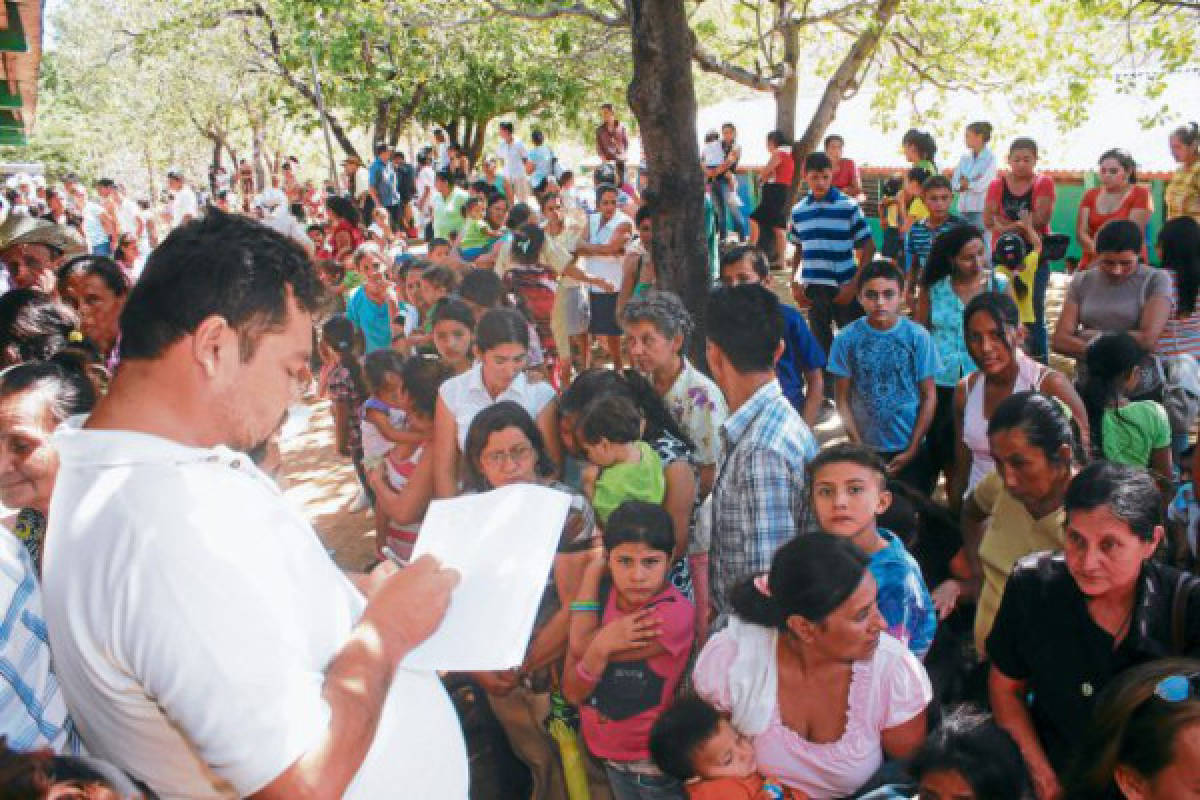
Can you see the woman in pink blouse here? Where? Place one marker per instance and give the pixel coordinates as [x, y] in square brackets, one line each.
[806, 671]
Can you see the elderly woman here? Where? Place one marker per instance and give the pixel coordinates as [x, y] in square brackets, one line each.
[505, 447]
[35, 397]
[1120, 294]
[808, 674]
[1144, 739]
[1069, 622]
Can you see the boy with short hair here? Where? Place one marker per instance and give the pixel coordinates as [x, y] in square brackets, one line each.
[936, 194]
[800, 369]
[829, 230]
[885, 365]
[439, 252]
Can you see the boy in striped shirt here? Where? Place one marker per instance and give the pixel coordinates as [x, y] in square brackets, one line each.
[829, 231]
[937, 194]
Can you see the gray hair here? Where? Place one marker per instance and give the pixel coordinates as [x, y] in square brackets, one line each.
[664, 310]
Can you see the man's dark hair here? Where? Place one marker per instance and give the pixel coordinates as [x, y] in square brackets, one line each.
[445, 175]
[382, 147]
[106, 183]
[937, 182]
[881, 268]
[746, 325]
[506, 126]
[816, 161]
[220, 264]
[735, 256]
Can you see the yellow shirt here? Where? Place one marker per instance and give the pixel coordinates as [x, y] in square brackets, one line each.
[1026, 274]
[917, 210]
[1011, 535]
[1182, 192]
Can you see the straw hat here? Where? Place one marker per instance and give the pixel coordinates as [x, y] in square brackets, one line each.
[25, 229]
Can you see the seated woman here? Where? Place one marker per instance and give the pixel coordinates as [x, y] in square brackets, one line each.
[35, 397]
[807, 672]
[1016, 510]
[994, 335]
[1069, 622]
[501, 349]
[1143, 741]
[1120, 294]
[505, 447]
[97, 287]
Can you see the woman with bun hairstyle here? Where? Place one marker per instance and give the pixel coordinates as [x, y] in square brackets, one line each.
[806, 671]
[1182, 193]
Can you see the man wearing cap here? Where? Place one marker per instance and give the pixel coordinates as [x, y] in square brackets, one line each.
[382, 180]
[185, 206]
[32, 250]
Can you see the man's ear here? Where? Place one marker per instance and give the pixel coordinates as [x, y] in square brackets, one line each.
[211, 344]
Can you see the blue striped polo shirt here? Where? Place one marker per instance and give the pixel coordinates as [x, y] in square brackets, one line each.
[827, 231]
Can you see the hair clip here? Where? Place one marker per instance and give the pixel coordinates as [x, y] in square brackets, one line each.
[75, 337]
[760, 583]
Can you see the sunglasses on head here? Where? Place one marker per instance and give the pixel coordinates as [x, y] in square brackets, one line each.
[1177, 688]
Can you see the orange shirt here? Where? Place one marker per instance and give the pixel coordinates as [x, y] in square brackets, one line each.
[734, 789]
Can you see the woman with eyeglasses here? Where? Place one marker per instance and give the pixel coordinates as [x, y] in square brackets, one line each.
[1144, 740]
[502, 350]
[1117, 197]
[504, 447]
[1070, 622]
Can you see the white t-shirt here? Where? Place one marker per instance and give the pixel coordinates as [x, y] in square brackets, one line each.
[192, 615]
[426, 178]
[712, 155]
[127, 216]
[465, 396]
[607, 267]
[185, 204]
[514, 155]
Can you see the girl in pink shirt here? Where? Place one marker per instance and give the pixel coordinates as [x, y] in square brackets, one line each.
[631, 634]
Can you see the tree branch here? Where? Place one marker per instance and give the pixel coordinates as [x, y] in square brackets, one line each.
[575, 10]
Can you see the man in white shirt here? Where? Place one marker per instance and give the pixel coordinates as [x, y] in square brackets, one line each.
[516, 179]
[185, 206]
[278, 217]
[423, 202]
[205, 641]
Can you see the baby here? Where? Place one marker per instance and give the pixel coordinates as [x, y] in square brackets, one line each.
[694, 743]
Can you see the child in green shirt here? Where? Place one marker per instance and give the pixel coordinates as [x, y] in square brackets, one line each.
[622, 466]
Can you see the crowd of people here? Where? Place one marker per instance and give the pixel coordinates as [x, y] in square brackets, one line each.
[979, 588]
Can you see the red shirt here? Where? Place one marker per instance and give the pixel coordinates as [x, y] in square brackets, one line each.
[785, 170]
[998, 194]
[1137, 198]
[845, 173]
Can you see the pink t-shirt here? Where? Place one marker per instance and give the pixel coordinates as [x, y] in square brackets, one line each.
[887, 690]
[620, 711]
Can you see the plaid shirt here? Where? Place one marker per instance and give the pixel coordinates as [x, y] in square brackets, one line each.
[759, 500]
[33, 713]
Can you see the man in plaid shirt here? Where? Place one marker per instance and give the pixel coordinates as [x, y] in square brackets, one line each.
[759, 499]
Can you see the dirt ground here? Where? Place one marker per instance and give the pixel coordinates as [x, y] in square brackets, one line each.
[322, 483]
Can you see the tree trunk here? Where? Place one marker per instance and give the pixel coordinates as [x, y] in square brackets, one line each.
[663, 98]
[478, 138]
[218, 146]
[787, 91]
[383, 109]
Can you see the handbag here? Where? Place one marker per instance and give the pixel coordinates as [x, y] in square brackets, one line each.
[1180, 390]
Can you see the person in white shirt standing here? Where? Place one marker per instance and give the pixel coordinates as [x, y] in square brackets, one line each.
[516, 178]
[185, 206]
[205, 641]
[609, 230]
[974, 175]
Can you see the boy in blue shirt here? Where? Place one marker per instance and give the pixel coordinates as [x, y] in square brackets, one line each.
[884, 365]
[800, 369]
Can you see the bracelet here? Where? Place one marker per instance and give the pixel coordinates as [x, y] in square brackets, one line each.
[585, 605]
[582, 672]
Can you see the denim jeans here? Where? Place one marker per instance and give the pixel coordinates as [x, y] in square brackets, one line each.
[722, 205]
[633, 786]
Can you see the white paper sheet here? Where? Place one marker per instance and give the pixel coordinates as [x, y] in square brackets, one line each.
[502, 543]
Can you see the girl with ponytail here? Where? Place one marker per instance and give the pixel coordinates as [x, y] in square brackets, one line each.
[1133, 433]
[806, 671]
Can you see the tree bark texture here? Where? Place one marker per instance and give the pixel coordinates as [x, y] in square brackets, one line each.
[663, 99]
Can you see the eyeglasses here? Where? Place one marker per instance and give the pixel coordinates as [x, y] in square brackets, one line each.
[1177, 688]
[517, 454]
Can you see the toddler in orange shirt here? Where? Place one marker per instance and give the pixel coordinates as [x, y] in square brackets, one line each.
[696, 744]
